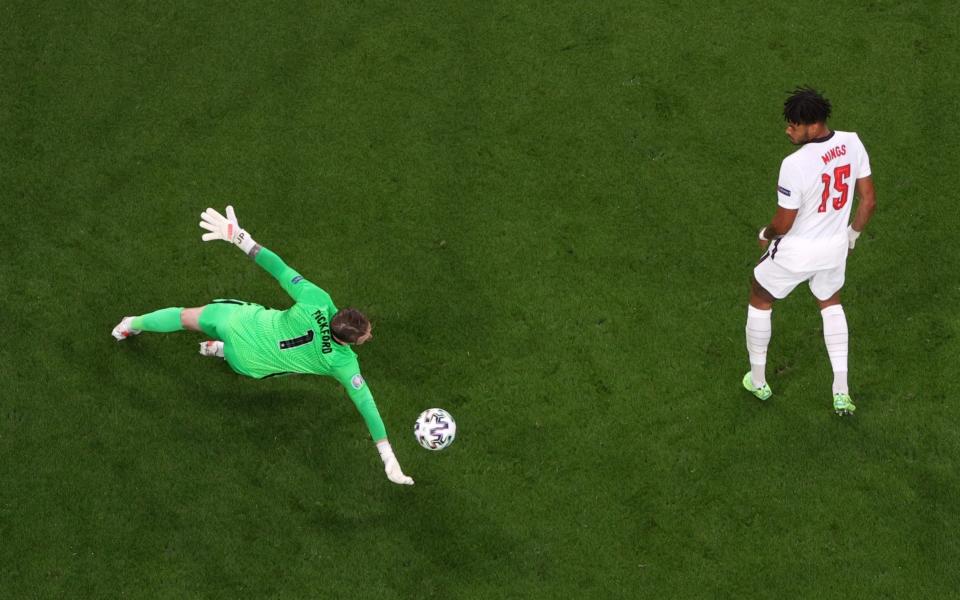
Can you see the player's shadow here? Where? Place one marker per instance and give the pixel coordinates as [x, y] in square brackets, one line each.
[301, 418]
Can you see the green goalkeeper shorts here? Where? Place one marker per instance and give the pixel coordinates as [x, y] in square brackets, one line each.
[215, 317]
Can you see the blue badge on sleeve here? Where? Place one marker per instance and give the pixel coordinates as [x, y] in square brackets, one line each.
[783, 190]
[299, 278]
[357, 381]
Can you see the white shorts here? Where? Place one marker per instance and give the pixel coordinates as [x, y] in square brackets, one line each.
[780, 282]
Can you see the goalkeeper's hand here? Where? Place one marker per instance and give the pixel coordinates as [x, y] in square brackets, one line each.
[225, 228]
[852, 235]
[390, 464]
[395, 474]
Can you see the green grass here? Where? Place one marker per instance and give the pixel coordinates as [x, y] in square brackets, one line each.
[549, 211]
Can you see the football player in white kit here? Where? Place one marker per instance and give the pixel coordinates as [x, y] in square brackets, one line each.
[811, 235]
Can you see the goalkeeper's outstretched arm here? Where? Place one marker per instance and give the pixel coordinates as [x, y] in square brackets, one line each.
[229, 230]
[291, 281]
[363, 400]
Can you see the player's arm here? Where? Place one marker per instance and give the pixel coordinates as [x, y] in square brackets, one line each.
[865, 208]
[788, 204]
[781, 224]
[228, 229]
[292, 282]
[363, 400]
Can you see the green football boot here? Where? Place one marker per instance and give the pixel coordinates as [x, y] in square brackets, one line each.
[763, 392]
[842, 404]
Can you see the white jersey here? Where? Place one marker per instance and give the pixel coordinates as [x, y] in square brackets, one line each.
[819, 179]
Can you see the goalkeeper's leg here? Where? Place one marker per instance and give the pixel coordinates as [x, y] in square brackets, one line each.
[190, 318]
[214, 319]
[165, 320]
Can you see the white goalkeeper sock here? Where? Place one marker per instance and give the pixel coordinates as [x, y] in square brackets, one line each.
[836, 337]
[759, 330]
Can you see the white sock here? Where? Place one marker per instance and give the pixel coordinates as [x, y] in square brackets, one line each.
[836, 337]
[758, 338]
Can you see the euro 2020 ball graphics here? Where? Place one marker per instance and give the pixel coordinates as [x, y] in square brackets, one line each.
[435, 429]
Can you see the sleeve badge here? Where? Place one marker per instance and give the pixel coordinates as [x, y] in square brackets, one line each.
[357, 381]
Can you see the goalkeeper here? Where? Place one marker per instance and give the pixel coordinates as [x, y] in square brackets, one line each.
[311, 336]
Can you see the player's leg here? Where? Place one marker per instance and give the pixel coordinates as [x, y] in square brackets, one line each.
[836, 337]
[190, 319]
[759, 330]
[769, 283]
[825, 286]
[760, 298]
[758, 333]
[213, 320]
[165, 320]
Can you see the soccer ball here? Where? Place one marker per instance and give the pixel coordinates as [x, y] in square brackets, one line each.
[435, 429]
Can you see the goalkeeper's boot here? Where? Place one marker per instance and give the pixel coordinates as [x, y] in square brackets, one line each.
[842, 405]
[763, 392]
[211, 348]
[123, 330]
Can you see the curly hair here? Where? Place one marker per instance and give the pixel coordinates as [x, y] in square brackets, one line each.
[805, 106]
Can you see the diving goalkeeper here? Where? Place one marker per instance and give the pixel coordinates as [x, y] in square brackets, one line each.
[311, 337]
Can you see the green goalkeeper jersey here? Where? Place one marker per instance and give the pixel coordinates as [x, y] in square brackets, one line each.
[262, 342]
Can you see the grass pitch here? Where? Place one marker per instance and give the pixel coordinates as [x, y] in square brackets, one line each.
[549, 211]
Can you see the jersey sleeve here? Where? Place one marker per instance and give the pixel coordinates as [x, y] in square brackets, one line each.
[863, 168]
[359, 393]
[293, 283]
[788, 186]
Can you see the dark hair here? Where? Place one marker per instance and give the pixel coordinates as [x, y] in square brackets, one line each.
[349, 324]
[806, 105]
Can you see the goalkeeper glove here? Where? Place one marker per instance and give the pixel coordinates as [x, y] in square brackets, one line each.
[852, 235]
[225, 228]
[390, 464]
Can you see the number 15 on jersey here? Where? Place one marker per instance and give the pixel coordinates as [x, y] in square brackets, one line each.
[839, 180]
